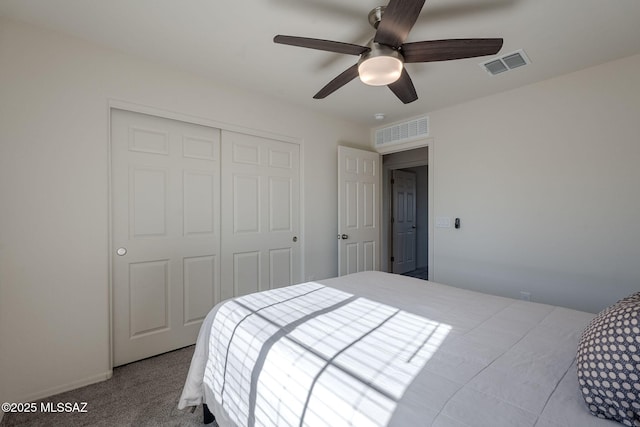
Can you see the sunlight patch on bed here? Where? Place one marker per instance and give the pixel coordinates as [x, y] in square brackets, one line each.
[312, 355]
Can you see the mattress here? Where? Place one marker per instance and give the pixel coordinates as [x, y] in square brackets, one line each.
[378, 349]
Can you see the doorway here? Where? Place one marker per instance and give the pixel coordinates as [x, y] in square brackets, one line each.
[406, 213]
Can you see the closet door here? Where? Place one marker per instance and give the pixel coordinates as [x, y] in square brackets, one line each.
[260, 214]
[165, 232]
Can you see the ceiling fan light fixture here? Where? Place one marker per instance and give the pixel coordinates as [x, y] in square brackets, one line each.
[382, 60]
[380, 66]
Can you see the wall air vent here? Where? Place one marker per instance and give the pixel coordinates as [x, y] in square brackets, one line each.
[402, 132]
[506, 62]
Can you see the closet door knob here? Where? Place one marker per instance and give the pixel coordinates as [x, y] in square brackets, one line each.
[121, 251]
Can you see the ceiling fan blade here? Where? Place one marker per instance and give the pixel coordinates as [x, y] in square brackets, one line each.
[403, 88]
[445, 50]
[335, 84]
[328, 45]
[397, 20]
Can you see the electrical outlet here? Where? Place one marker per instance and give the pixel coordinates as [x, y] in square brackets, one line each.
[525, 296]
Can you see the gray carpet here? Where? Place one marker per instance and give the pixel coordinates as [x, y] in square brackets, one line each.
[143, 393]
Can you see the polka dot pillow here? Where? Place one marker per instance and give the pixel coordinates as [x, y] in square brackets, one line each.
[608, 362]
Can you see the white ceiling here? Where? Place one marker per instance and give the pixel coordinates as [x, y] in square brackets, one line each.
[231, 42]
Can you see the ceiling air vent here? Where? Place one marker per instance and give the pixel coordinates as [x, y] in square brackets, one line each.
[506, 62]
[403, 132]
[495, 67]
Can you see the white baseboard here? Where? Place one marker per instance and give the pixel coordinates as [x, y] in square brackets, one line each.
[65, 387]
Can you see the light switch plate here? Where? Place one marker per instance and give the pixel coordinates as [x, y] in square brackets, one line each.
[443, 222]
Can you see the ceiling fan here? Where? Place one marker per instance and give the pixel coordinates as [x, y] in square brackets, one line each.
[382, 60]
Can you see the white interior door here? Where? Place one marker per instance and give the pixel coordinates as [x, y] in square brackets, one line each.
[165, 232]
[261, 214]
[358, 210]
[404, 221]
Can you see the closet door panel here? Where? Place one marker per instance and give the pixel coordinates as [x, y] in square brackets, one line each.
[165, 234]
[260, 213]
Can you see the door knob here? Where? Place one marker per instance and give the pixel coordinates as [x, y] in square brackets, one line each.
[295, 238]
[344, 237]
[413, 226]
[121, 251]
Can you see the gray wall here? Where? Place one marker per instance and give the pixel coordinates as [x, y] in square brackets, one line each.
[545, 179]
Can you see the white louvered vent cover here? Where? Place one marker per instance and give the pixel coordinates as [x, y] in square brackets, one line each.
[402, 132]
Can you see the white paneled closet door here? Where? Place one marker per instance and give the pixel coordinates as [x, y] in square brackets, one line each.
[165, 232]
[260, 214]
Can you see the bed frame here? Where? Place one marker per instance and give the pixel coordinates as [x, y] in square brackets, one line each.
[207, 416]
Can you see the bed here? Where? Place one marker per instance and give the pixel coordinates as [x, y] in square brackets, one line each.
[378, 349]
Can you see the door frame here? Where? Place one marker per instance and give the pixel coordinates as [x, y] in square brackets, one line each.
[386, 202]
[117, 104]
